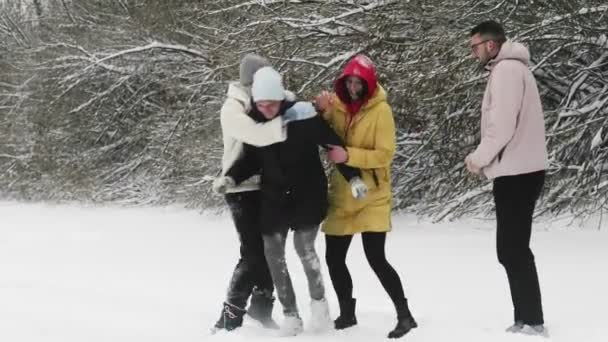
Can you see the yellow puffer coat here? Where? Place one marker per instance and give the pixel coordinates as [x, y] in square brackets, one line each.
[370, 141]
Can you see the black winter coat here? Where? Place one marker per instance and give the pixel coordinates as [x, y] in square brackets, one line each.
[293, 183]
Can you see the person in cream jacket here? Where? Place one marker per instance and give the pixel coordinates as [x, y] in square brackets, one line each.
[251, 276]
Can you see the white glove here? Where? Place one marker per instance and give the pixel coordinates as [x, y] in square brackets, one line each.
[358, 188]
[222, 184]
[299, 111]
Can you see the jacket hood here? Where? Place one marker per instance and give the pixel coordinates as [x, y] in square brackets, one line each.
[364, 68]
[511, 50]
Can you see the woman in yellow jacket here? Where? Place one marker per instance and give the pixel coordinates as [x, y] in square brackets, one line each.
[360, 114]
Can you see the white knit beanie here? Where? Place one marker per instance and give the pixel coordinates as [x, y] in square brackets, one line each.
[267, 85]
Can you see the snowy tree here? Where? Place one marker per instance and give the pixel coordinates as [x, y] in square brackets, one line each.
[119, 100]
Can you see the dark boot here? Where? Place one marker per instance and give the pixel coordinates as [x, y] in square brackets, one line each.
[260, 308]
[231, 318]
[405, 321]
[347, 315]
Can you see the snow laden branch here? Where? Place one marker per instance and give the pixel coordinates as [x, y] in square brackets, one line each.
[122, 99]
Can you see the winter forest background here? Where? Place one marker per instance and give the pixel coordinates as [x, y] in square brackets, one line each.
[117, 101]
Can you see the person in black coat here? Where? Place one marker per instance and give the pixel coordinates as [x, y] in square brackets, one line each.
[293, 183]
[293, 194]
[251, 280]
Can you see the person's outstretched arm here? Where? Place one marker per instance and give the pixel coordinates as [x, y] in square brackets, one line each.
[237, 124]
[246, 166]
[326, 137]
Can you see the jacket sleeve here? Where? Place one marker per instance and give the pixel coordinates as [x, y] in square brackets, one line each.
[330, 115]
[348, 172]
[240, 126]
[506, 93]
[246, 166]
[384, 144]
[323, 134]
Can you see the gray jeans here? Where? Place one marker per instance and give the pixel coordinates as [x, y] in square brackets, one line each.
[304, 243]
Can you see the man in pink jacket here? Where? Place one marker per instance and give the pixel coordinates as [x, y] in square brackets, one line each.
[513, 154]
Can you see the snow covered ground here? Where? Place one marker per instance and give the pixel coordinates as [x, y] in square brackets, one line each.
[71, 274]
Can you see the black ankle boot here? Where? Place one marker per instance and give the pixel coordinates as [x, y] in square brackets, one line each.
[231, 318]
[405, 320]
[347, 316]
[260, 308]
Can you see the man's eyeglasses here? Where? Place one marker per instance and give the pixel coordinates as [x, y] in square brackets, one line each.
[477, 44]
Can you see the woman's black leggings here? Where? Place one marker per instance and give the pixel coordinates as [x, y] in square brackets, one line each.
[373, 245]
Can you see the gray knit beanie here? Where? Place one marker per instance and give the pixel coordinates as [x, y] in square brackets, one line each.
[249, 65]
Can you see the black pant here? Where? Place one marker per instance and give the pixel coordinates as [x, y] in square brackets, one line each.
[251, 269]
[515, 198]
[373, 245]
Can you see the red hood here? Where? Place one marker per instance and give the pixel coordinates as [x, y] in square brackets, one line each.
[364, 68]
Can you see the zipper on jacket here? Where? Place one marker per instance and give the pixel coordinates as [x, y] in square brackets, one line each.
[349, 122]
